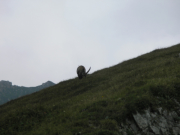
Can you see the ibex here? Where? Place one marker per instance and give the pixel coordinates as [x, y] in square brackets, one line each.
[81, 71]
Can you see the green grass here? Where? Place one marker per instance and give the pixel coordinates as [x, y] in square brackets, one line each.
[96, 105]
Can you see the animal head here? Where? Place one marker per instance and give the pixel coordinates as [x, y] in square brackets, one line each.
[81, 71]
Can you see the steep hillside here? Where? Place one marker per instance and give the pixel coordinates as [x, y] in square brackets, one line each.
[127, 98]
[9, 92]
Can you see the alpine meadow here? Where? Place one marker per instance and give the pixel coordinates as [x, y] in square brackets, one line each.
[101, 103]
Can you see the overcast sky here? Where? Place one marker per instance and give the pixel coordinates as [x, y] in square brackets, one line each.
[43, 40]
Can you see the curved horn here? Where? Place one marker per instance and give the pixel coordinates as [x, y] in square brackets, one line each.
[88, 70]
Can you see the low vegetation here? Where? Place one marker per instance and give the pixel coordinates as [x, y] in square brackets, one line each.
[97, 104]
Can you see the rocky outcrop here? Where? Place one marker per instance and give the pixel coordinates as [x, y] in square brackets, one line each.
[162, 122]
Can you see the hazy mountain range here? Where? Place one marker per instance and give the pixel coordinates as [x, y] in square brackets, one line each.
[9, 92]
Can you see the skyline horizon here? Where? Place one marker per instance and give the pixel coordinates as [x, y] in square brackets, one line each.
[48, 40]
[88, 73]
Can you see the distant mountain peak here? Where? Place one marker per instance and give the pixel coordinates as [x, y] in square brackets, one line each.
[48, 83]
[4, 83]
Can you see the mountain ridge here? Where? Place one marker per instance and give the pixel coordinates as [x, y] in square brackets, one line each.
[10, 92]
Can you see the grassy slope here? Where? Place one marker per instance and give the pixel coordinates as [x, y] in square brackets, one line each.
[97, 104]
